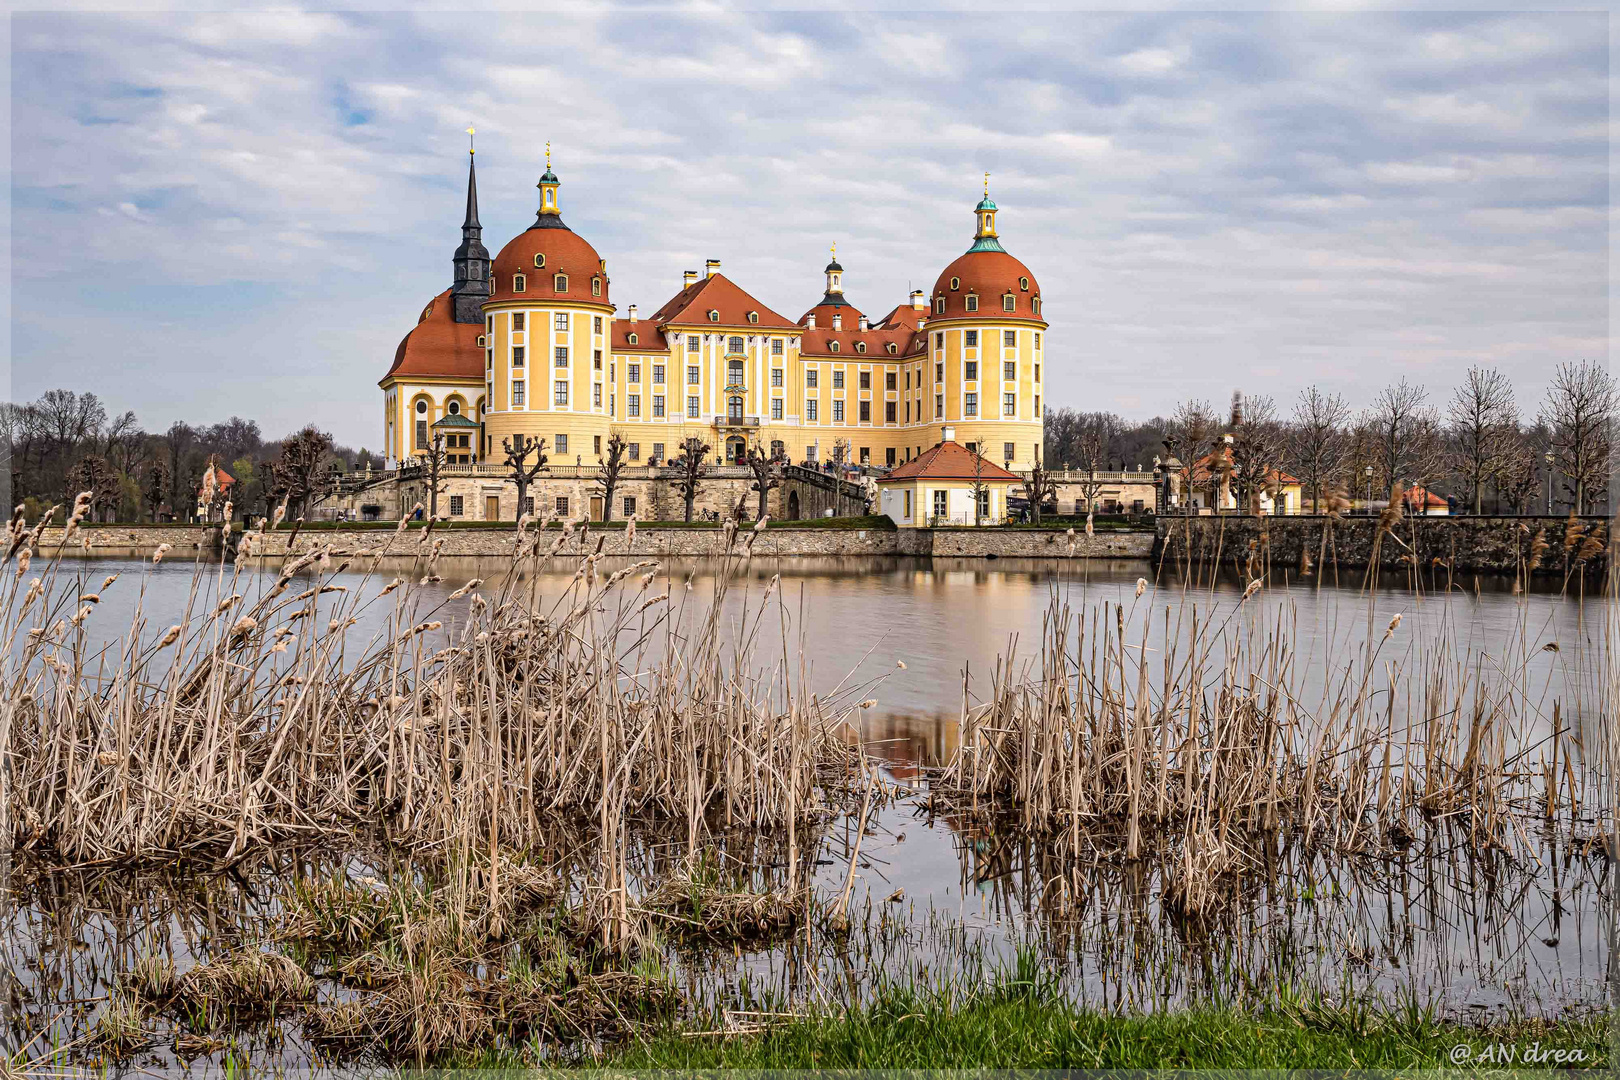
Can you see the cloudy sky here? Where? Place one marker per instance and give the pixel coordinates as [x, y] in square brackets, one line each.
[217, 214]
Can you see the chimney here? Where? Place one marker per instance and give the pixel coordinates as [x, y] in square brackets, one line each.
[863, 323]
[711, 267]
[632, 313]
[919, 300]
[810, 320]
[838, 322]
[949, 434]
[689, 277]
[921, 323]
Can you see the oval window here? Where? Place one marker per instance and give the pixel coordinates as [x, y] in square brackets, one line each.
[1023, 283]
[956, 283]
[539, 260]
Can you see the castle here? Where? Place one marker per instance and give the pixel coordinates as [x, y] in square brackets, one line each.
[530, 342]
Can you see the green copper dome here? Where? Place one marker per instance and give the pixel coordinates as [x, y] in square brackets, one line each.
[985, 204]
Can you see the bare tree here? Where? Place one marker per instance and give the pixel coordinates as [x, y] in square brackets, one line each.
[1090, 451]
[767, 475]
[1258, 449]
[978, 488]
[92, 473]
[1318, 442]
[303, 466]
[1039, 488]
[1407, 430]
[155, 487]
[521, 470]
[690, 464]
[1060, 435]
[608, 470]
[1579, 412]
[1187, 438]
[1518, 472]
[1482, 424]
[433, 459]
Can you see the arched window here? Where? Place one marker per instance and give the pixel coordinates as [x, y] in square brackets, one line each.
[596, 286]
[714, 316]
[753, 316]
[832, 346]
[1036, 304]
[519, 283]
[560, 283]
[539, 260]
[860, 346]
[891, 348]
[634, 338]
[939, 306]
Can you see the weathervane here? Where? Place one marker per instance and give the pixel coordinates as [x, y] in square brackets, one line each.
[470, 149]
[987, 185]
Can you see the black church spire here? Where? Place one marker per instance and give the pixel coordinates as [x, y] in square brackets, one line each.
[472, 258]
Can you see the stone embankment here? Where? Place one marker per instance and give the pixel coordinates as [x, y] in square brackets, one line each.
[183, 540]
[1475, 545]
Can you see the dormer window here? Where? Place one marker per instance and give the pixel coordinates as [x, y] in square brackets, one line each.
[939, 306]
[714, 316]
[1023, 283]
[890, 347]
[972, 302]
[596, 286]
[560, 283]
[1035, 303]
[633, 339]
[1009, 302]
[540, 261]
[519, 283]
[753, 316]
[956, 283]
[832, 346]
[480, 341]
[860, 346]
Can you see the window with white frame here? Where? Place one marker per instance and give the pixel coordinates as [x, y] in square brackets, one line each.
[632, 404]
[560, 442]
[810, 409]
[560, 395]
[596, 395]
[692, 406]
[838, 411]
[559, 321]
[1009, 404]
[517, 356]
[776, 346]
[970, 339]
[970, 404]
[1009, 370]
[658, 406]
[633, 372]
[776, 376]
[517, 393]
[658, 374]
[693, 373]
[562, 356]
[691, 343]
[776, 408]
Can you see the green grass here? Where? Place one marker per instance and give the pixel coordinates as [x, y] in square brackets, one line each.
[999, 1031]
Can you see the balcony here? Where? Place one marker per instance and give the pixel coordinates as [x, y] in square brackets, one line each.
[725, 422]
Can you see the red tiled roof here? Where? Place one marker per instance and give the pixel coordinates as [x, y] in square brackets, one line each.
[1429, 498]
[818, 343]
[849, 314]
[903, 315]
[439, 347]
[717, 293]
[222, 480]
[648, 336]
[1201, 473]
[566, 253]
[989, 275]
[949, 461]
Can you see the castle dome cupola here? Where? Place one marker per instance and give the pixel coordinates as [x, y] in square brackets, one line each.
[550, 214]
[984, 234]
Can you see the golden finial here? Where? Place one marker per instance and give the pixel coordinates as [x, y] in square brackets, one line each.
[548, 153]
[834, 250]
[470, 133]
[987, 185]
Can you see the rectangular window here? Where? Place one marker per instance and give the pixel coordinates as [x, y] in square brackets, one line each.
[838, 380]
[691, 376]
[692, 406]
[908, 412]
[528, 505]
[632, 404]
[561, 320]
[596, 445]
[1038, 414]
[939, 340]
[691, 343]
[517, 356]
[888, 458]
[562, 356]
[1009, 303]
[1006, 451]
[908, 379]
[973, 303]
[939, 406]
[1037, 341]
[633, 450]
[561, 503]
[658, 453]
[1009, 370]
[658, 406]
[596, 360]
[970, 404]
[632, 372]
[736, 345]
[1009, 339]
[517, 320]
[596, 395]
[421, 435]
[658, 374]
[889, 381]
[838, 412]
[939, 373]
[598, 324]
[457, 506]
[970, 339]
[888, 411]
[489, 359]
[517, 393]
[866, 455]
[610, 405]
[776, 376]
[489, 324]
[1037, 373]
[810, 378]
[906, 513]
[561, 442]
[776, 408]
[776, 346]
[629, 506]
[560, 392]
[866, 412]
[970, 371]
[866, 380]
[810, 412]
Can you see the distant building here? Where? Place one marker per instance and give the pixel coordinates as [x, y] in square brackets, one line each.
[223, 482]
[938, 486]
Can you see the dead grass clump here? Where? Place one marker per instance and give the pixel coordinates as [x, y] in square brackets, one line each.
[337, 913]
[119, 1031]
[248, 981]
[701, 912]
[151, 978]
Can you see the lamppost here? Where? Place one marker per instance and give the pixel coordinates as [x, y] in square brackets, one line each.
[1548, 458]
[1367, 503]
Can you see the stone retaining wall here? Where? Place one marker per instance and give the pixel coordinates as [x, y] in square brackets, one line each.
[1464, 544]
[776, 540]
[133, 539]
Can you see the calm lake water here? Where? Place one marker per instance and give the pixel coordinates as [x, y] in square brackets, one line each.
[1469, 937]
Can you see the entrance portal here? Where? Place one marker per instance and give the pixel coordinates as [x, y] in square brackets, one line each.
[736, 450]
[793, 506]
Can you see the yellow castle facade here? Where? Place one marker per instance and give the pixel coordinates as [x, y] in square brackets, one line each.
[530, 342]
